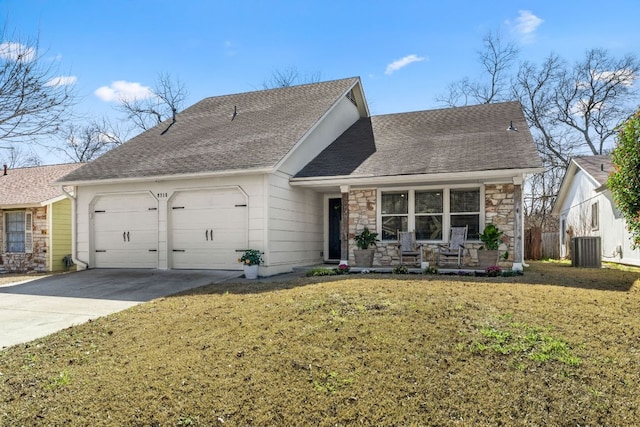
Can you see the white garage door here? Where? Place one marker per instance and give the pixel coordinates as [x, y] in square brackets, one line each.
[208, 227]
[125, 228]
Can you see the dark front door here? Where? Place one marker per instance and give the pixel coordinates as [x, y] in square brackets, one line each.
[335, 215]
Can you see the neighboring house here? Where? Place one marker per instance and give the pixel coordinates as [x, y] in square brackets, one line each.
[35, 230]
[296, 172]
[586, 208]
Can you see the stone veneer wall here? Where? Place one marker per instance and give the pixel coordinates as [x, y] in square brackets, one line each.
[499, 210]
[36, 261]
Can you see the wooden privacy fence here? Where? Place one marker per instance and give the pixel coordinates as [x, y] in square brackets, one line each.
[539, 245]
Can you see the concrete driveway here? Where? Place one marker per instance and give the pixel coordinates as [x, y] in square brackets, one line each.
[37, 308]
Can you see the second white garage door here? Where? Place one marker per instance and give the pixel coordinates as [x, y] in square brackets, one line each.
[208, 228]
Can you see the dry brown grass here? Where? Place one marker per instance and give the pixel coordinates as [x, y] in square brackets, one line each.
[557, 346]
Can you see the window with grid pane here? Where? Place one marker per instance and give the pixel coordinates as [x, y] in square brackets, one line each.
[395, 214]
[428, 214]
[14, 231]
[464, 206]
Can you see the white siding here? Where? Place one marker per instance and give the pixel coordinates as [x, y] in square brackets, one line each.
[576, 208]
[295, 226]
[252, 185]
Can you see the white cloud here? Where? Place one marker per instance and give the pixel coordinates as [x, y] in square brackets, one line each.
[17, 52]
[403, 62]
[123, 91]
[525, 25]
[62, 81]
[624, 76]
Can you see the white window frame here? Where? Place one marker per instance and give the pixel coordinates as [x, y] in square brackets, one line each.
[28, 231]
[446, 214]
[595, 216]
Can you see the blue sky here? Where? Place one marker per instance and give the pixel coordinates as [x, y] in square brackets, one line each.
[406, 52]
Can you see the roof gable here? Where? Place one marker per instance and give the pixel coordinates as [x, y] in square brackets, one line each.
[461, 139]
[32, 185]
[597, 168]
[208, 137]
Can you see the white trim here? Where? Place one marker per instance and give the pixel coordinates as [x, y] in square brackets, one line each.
[446, 214]
[315, 125]
[49, 236]
[474, 177]
[325, 223]
[162, 178]
[53, 200]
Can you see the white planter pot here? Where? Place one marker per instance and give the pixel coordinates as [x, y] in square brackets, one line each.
[250, 271]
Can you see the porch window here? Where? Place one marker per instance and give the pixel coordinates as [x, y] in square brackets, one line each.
[395, 214]
[465, 210]
[18, 232]
[428, 213]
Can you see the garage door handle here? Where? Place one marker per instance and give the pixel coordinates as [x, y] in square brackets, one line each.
[124, 236]
[179, 250]
[128, 240]
[206, 235]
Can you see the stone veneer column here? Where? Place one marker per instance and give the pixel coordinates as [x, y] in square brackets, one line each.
[362, 213]
[500, 210]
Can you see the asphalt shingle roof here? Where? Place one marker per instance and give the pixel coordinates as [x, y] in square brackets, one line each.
[461, 139]
[32, 185]
[205, 139]
[599, 167]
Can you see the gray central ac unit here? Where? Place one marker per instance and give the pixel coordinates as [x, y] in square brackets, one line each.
[585, 252]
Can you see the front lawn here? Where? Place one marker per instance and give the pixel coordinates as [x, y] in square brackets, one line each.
[557, 346]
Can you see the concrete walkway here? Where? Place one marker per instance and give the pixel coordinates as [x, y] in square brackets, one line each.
[34, 309]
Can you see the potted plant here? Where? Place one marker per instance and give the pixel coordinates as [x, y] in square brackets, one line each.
[364, 254]
[488, 253]
[250, 260]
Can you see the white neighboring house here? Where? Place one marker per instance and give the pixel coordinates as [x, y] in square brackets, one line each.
[586, 208]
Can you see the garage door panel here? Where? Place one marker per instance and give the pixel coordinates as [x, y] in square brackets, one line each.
[123, 258]
[126, 231]
[207, 227]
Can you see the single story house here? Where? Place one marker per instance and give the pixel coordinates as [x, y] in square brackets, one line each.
[296, 172]
[35, 231]
[586, 208]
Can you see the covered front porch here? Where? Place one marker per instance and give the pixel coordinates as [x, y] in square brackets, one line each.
[357, 208]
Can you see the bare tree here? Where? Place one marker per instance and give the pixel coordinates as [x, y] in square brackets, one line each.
[593, 97]
[166, 100]
[18, 156]
[288, 77]
[569, 109]
[496, 59]
[34, 97]
[83, 143]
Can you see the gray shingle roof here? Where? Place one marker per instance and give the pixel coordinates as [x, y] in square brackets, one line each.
[599, 167]
[205, 139]
[461, 139]
[29, 186]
